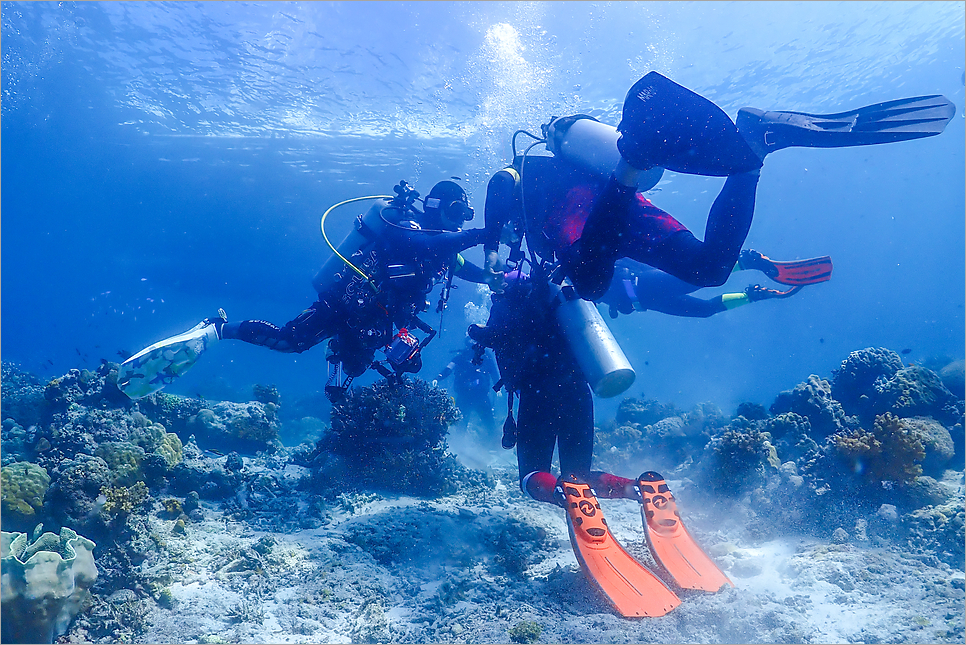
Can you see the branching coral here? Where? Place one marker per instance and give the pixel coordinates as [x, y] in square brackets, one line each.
[122, 500]
[392, 436]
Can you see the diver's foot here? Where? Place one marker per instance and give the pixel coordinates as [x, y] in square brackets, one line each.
[608, 486]
[590, 266]
[752, 128]
[542, 486]
[753, 260]
[218, 321]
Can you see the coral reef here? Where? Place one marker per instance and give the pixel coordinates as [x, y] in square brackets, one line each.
[937, 442]
[122, 500]
[891, 452]
[853, 383]
[813, 400]
[45, 584]
[917, 391]
[670, 439]
[737, 459]
[23, 488]
[75, 488]
[643, 412]
[245, 427]
[22, 395]
[939, 530]
[391, 436]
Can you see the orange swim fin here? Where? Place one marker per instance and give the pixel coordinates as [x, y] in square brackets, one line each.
[633, 590]
[802, 272]
[793, 272]
[671, 545]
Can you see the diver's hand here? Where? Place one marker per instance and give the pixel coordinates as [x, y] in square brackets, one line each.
[493, 272]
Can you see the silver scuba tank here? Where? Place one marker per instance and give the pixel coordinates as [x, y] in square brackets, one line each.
[591, 145]
[366, 229]
[597, 352]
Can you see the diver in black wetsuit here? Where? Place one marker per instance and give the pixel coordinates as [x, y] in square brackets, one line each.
[556, 406]
[639, 287]
[415, 251]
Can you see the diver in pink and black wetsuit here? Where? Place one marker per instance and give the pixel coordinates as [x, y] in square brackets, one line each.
[580, 222]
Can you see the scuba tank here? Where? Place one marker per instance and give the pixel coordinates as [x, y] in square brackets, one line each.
[591, 145]
[597, 352]
[365, 231]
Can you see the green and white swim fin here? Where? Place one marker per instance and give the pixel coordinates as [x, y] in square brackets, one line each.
[160, 364]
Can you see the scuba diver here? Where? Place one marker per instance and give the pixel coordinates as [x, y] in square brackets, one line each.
[639, 287]
[474, 372]
[370, 293]
[581, 208]
[556, 406]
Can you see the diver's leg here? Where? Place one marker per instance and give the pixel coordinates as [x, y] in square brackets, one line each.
[575, 441]
[536, 436]
[678, 252]
[590, 260]
[305, 331]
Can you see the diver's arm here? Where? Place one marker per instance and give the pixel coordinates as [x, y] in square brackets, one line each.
[498, 208]
[443, 243]
[470, 272]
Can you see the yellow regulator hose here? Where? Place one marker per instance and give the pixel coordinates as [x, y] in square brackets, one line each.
[326, 237]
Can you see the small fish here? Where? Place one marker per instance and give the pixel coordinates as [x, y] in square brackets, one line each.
[124, 354]
[906, 351]
[821, 340]
[215, 451]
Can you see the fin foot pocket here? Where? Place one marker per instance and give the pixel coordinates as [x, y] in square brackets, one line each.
[670, 543]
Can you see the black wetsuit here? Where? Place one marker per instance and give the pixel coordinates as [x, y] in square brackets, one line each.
[556, 407]
[638, 287]
[405, 264]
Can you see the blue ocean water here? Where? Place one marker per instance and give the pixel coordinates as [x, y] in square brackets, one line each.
[161, 160]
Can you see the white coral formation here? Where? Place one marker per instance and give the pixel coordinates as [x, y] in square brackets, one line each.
[44, 584]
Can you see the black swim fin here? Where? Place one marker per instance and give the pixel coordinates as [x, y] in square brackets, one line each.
[899, 120]
[664, 124]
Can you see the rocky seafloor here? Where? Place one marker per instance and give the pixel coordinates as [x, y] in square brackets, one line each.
[838, 513]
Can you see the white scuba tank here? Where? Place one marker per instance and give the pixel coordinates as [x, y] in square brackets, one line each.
[597, 352]
[366, 229]
[591, 145]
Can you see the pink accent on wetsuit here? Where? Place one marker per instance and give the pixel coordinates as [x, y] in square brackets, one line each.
[647, 224]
